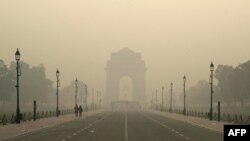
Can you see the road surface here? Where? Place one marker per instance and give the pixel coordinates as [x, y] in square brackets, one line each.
[123, 126]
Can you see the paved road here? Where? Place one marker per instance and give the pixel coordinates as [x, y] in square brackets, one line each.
[124, 126]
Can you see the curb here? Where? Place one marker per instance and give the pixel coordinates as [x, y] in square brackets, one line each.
[12, 137]
[190, 122]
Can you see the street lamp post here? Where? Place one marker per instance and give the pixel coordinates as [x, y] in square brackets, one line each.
[152, 100]
[17, 57]
[93, 92]
[76, 82]
[86, 96]
[81, 94]
[211, 102]
[184, 85]
[156, 99]
[162, 98]
[57, 86]
[166, 96]
[97, 97]
[171, 93]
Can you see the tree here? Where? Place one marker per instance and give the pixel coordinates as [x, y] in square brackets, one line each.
[234, 83]
[33, 83]
[200, 93]
[224, 75]
[7, 83]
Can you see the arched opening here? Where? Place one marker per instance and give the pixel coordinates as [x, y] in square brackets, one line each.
[125, 88]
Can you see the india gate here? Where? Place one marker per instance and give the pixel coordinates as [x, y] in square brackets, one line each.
[129, 64]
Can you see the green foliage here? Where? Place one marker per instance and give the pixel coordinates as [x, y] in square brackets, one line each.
[33, 83]
[234, 83]
[200, 93]
[7, 83]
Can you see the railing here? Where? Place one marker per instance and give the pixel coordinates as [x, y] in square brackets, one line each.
[225, 117]
[29, 116]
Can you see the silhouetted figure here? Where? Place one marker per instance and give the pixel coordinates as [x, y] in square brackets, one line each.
[76, 110]
[80, 110]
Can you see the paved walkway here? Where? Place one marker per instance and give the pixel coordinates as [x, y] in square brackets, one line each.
[13, 130]
[196, 121]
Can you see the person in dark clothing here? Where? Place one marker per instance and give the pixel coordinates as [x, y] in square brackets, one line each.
[76, 110]
[80, 110]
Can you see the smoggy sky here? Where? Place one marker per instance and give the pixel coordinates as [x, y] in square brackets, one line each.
[175, 37]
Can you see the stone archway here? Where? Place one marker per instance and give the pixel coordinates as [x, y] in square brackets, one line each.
[125, 63]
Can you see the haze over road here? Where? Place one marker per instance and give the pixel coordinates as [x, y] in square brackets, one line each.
[124, 126]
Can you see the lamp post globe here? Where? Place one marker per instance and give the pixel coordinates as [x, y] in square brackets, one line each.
[17, 55]
[212, 66]
[57, 73]
[76, 81]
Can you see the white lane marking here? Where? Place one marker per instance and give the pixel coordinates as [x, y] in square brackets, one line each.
[91, 124]
[63, 140]
[74, 134]
[126, 127]
[198, 125]
[160, 123]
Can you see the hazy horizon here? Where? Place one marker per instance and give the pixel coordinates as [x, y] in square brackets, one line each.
[174, 37]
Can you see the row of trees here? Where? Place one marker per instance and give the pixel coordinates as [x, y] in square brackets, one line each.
[233, 86]
[33, 83]
[234, 83]
[35, 86]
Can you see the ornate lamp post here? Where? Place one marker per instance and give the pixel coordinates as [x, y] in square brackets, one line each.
[156, 99]
[162, 99]
[152, 100]
[211, 102]
[76, 82]
[184, 85]
[93, 92]
[171, 96]
[17, 57]
[86, 97]
[57, 86]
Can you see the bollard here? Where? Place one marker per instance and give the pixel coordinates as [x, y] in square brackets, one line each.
[4, 121]
[224, 117]
[236, 119]
[42, 115]
[29, 116]
[229, 118]
[13, 118]
[241, 119]
[34, 114]
[24, 117]
[218, 111]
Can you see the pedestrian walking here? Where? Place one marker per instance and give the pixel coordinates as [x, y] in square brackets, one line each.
[76, 110]
[80, 111]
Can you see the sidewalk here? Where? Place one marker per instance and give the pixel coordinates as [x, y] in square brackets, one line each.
[196, 121]
[13, 130]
